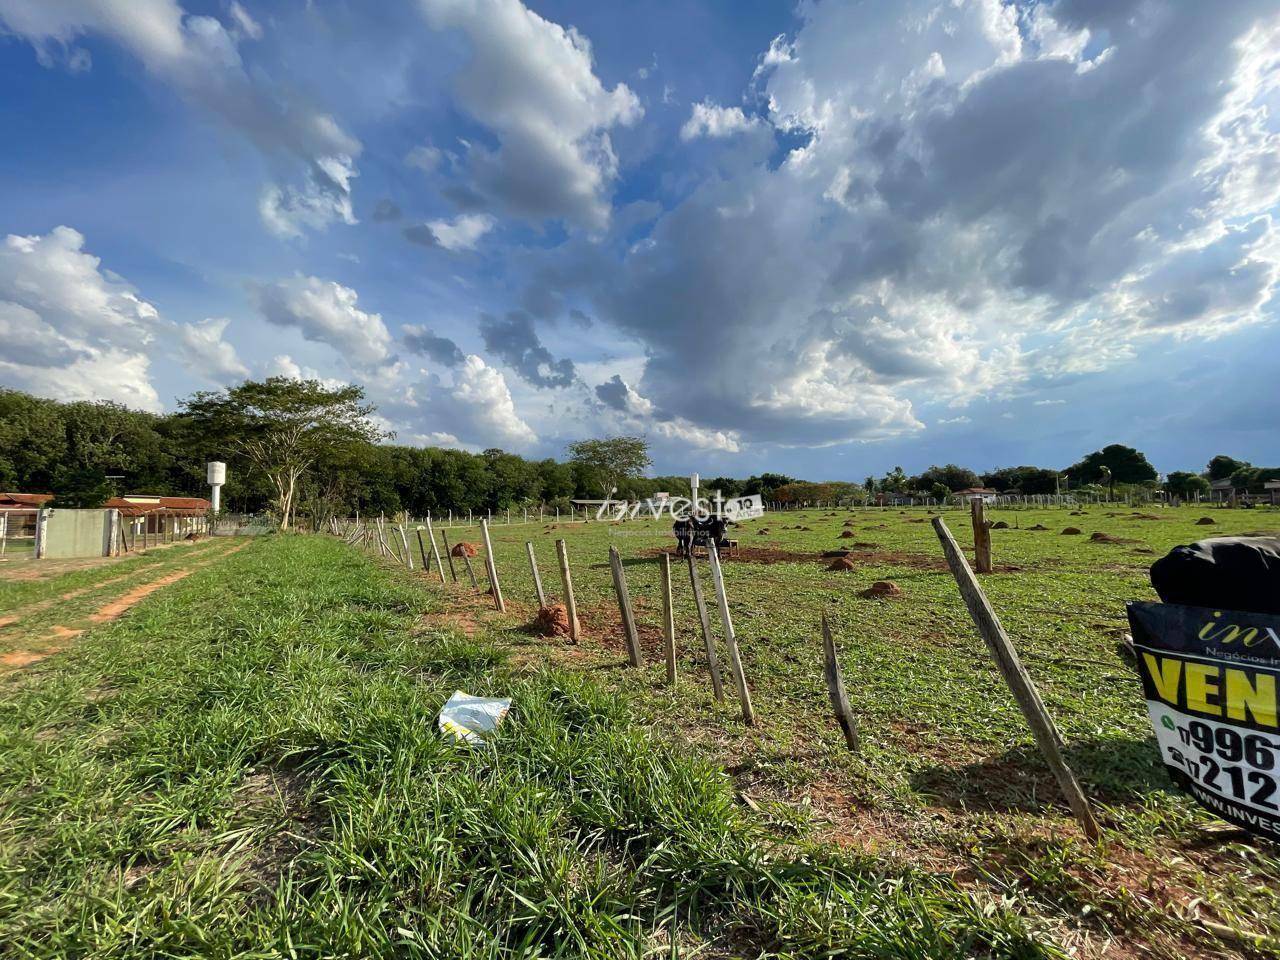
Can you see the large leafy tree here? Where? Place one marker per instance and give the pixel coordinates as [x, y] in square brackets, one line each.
[1113, 464]
[607, 463]
[1182, 483]
[1222, 466]
[1028, 480]
[280, 428]
[952, 476]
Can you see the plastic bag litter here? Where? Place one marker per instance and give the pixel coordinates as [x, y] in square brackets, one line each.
[469, 718]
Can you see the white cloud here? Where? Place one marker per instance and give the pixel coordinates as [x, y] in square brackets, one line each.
[205, 351]
[425, 158]
[463, 232]
[245, 23]
[199, 57]
[324, 197]
[532, 82]
[327, 312]
[474, 406]
[709, 120]
[69, 330]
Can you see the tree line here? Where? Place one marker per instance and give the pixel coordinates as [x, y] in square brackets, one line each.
[299, 447]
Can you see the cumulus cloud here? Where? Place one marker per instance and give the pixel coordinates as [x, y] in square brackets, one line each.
[709, 120]
[68, 329]
[474, 406]
[200, 58]
[972, 199]
[204, 350]
[637, 414]
[533, 83]
[514, 340]
[327, 312]
[440, 349]
[463, 232]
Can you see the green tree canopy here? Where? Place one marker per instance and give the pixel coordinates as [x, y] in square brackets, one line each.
[610, 461]
[281, 427]
[951, 476]
[1183, 483]
[1113, 464]
[1222, 466]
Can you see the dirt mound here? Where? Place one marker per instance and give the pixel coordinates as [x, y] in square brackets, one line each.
[882, 588]
[808, 529]
[464, 549]
[1071, 531]
[762, 531]
[1077, 513]
[828, 554]
[1099, 537]
[552, 621]
[1205, 522]
[846, 535]
[1143, 550]
[1000, 525]
[1038, 526]
[1146, 516]
[844, 563]
[847, 523]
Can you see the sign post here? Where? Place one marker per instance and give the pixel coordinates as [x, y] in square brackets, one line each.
[1210, 679]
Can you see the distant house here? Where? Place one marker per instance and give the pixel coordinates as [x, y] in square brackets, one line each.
[137, 505]
[985, 494]
[1221, 489]
[24, 501]
[1272, 489]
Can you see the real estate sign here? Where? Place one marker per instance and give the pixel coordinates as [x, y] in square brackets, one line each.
[1210, 678]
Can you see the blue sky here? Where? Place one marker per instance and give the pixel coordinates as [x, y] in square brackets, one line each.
[825, 238]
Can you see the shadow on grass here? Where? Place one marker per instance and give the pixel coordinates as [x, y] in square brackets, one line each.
[1112, 770]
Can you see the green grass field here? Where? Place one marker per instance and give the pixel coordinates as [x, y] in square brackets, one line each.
[245, 764]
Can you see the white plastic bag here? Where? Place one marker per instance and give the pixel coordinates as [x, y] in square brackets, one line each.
[469, 718]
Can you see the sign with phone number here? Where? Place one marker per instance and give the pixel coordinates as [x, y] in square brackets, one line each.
[1210, 678]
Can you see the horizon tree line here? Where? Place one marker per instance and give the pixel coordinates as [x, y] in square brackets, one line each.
[299, 447]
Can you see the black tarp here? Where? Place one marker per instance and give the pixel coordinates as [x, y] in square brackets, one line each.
[1225, 573]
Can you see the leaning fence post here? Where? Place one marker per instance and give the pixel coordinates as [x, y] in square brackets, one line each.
[624, 606]
[731, 641]
[1015, 674]
[492, 566]
[566, 578]
[981, 536]
[835, 687]
[404, 541]
[704, 619]
[537, 577]
[449, 555]
[435, 552]
[471, 571]
[668, 620]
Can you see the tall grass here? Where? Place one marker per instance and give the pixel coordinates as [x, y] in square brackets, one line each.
[247, 766]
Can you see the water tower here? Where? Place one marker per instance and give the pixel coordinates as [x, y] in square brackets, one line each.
[217, 477]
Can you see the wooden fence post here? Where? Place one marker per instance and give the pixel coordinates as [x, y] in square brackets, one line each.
[835, 687]
[435, 551]
[471, 571]
[731, 641]
[624, 606]
[422, 550]
[704, 620]
[448, 553]
[566, 578]
[1015, 674]
[668, 620]
[981, 536]
[537, 577]
[404, 542]
[492, 566]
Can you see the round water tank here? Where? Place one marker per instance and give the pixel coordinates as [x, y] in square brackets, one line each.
[217, 472]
